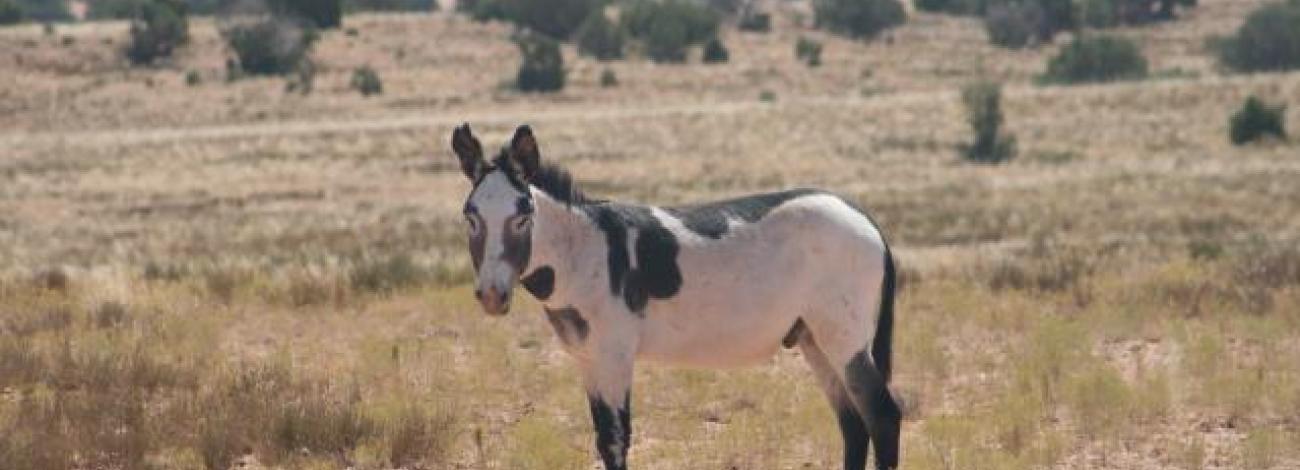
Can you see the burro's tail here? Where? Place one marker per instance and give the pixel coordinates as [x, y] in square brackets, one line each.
[882, 345]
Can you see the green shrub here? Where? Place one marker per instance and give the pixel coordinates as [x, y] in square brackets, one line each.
[643, 19]
[483, 10]
[366, 81]
[1097, 59]
[1268, 41]
[323, 14]
[600, 38]
[935, 6]
[715, 52]
[45, 11]
[558, 19]
[1110, 13]
[983, 102]
[9, 12]
[114, 9]
[858, 18]
[390, 5]
[608, 79]
[1255, 120]
[542, 69]
[273, 46]
[667, 42]
[754, 21]
[1014, 25]
[159, 28]
[808, 51]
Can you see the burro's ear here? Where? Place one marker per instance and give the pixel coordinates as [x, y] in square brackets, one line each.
[469, 151]
[524, 152]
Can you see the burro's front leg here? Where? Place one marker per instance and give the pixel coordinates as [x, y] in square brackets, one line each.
[608, 377]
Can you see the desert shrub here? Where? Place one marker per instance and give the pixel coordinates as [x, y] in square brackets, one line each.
[558, 19]
[271, 46]
[644, 19]
[417, 438]
[715, 52]
[110, 314]
[1109, 13]
[1013, 25]
[159, 28]
[44, 11]
[808, 51]
[320, 13]
[934, 6]
[9, 12]
[390, 5]
[600, 38]
[667, 42]
[1097, 59]
[193, 78]
[365, 80]
[983, 102]
[1255, 120]
[542, 68]
[387, 274]
[608, 79]
[754, 21]
[858, 18]
[1268, 41]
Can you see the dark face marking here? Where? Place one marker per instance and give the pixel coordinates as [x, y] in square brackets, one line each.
[569, 325]
[656, 274]
[540, 283]
[477, 235]
[613, 431]
[710, 219]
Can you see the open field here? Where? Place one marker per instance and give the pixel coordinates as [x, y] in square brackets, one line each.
[201, 276]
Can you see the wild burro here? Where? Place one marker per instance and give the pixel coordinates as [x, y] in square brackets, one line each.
[719, 284]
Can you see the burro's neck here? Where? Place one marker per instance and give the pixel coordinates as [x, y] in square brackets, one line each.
[564, 240]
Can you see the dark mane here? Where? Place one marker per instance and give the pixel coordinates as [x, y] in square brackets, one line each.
[551, 179]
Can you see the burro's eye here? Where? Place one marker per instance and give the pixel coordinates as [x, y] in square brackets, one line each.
[472, 224]
[521, 223]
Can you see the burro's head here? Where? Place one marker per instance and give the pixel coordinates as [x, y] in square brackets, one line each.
[498, 213]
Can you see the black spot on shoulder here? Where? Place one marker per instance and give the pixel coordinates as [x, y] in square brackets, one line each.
[710, 219]
[569, 325]
[540, 283]
[656, 274]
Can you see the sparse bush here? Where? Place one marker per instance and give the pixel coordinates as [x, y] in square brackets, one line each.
[45, 11]
[385, 275]
[110, 314]
[9, 12]
[767, 96]
[715, 52]
[416, 438]
[754, 21]
[365, 80]
[935, 6]
[667, 42]
[542, 69]
[1097, 59]
[1255, 120]
[1014, 25]
[983, 102]
[692, 22]
[273, 46]
[390, 5]
[808, 51]
[193, 78]
[159, 28]
[1110, 13]
[1268, 41]
[858, 18]
[600, 38]
[608, 79]
[483, 10]
[558, 19]
[323, 14]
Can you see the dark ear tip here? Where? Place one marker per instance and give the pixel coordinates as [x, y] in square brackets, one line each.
[523, 130]
[463, 129]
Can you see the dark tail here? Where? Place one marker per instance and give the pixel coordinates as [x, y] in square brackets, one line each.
[882, 346]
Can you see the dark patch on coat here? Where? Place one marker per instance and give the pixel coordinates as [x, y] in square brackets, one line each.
[569, 325]
[710, 219]
[883, 416]
[540, 283]
[792, 338]
[612, 426]
[656, 274]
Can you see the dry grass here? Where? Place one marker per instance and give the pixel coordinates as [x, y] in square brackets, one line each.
[199, 276]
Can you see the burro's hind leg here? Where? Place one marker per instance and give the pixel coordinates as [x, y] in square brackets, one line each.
[847, 350]
[852, 426]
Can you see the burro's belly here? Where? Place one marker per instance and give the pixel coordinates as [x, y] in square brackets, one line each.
[742, 330]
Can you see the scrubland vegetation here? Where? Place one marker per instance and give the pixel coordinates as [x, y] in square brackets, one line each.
[200, 270]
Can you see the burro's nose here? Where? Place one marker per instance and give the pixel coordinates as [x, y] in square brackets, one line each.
[494, 301]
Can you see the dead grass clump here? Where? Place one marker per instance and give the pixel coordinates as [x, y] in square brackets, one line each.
[316, 425]
[417, 438]
[110, 314]
[1043, 268]
[36, 319]
[386, 275]
[54, 279]
[155, 271]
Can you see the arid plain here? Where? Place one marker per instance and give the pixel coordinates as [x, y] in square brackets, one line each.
[223, 273]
